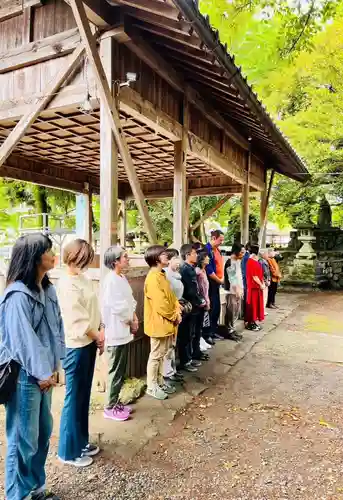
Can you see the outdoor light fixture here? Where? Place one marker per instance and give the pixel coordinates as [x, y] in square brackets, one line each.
[86, 107]
[130, 78]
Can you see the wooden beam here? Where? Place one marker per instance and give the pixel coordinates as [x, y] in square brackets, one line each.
[108, 165]
[245, 204]
[41, 50]
[133, 104]
[210, 212]
[123, 222]
[23, 125]
[100, 13]
[15, 7]
[159, 64]
[27, 25]
[264, 211]
[83, 211]
[113, 116]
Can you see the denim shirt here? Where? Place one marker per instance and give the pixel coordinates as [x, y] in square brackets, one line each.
[31, 330]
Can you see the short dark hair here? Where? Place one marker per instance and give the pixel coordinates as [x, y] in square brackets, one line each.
[254, 249]
[26, 257]
[236, 248]
[216, 233]
[186, 250]
[78, 252]
[198, 246]
[172, 252]
[248, 246]
[152, 255]
[112, 254]
[201, 258]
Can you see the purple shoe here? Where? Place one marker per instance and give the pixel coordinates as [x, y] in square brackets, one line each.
[117, 413]
[128, 409]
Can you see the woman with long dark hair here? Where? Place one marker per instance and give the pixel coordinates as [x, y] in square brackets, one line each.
[31, 332]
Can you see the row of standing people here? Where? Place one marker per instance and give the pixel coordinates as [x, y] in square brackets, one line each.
[39, 328]
[251, 281]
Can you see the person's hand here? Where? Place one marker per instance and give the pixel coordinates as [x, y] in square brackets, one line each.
[102, 334]
[263, 287]
[207, 307]
[134, 325]
[45, 385]
[178, 319]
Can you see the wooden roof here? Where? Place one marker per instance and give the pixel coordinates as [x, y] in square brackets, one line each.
[190, 46]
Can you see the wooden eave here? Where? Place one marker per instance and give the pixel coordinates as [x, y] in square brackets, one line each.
[177, 31]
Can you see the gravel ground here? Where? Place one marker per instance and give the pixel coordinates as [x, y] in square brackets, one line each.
[270, 429]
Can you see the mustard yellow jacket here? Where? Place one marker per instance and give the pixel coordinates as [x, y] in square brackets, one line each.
[161, 307]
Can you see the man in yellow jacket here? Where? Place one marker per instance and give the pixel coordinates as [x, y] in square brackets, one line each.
[275, 275]
[162, 315]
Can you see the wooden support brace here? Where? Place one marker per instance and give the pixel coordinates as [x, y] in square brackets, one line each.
[112, 112]
[26, 121]
[264, 210]
[210, 212]
[180, 182]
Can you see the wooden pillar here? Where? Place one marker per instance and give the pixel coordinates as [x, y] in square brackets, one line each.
[123, 222]
[245, 204]
[265, 197]
[180, 183]
[84, 215]
[108, 164]
[186, 235]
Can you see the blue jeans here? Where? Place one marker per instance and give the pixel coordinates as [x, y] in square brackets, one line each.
[79, 370]
[28, 431]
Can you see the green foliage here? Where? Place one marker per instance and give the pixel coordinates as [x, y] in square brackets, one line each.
[292, 51]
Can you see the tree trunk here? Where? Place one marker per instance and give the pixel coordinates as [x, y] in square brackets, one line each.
[42, 207]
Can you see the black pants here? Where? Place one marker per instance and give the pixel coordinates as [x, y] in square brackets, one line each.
[214, 294]
[271, 293]
[184, 340]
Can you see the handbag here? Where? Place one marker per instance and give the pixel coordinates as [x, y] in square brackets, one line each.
[8, 380]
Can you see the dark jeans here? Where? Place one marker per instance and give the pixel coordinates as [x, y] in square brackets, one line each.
[117, 362]
[79, 370]
[271, 293]
[214, 294]
[28, 431]
[185, 337]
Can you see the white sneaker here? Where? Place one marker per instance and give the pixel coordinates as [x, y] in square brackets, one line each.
[203, 345]
[208, 346]
[83, 461]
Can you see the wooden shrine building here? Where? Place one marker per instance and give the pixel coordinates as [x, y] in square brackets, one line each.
[131, 99]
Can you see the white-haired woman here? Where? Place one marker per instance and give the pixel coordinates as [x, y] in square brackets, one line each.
[121, 323]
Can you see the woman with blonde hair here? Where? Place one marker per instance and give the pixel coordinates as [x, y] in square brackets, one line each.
[84, 337]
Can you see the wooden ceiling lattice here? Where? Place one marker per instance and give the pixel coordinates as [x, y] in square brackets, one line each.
[72, 140]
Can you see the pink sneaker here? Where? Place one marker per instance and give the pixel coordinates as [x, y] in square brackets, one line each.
[117, 413]
[128, 409]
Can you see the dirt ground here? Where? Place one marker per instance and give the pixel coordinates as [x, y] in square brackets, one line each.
[271, 428]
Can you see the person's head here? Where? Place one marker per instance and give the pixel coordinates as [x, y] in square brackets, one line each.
[78, 255]
[32, 258]
[254, 250]
[264, 253]
[203, 260]
[173, 259]
[116, 258]
[217, 238]
[271, 253]
[248, 247]
[198, 246]
[237, 250]
[156, 256]
[189, 254]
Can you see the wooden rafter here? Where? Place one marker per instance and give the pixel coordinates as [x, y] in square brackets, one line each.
[23, 125]
[210, 212]
[264, 208]
[113, 116]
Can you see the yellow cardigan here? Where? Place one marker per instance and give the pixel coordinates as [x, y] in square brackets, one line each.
[161, 307]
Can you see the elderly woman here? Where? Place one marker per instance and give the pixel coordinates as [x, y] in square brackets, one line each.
[121, 323]
[32, 337]
[82, 323]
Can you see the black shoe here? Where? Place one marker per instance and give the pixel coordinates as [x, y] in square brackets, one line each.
[196, 363]
[218, 337]
[176, 377]
[43, 495]
[202, 357]
[252, 328]
[189, 368]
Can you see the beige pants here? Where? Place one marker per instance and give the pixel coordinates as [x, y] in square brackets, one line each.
[159, 347]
